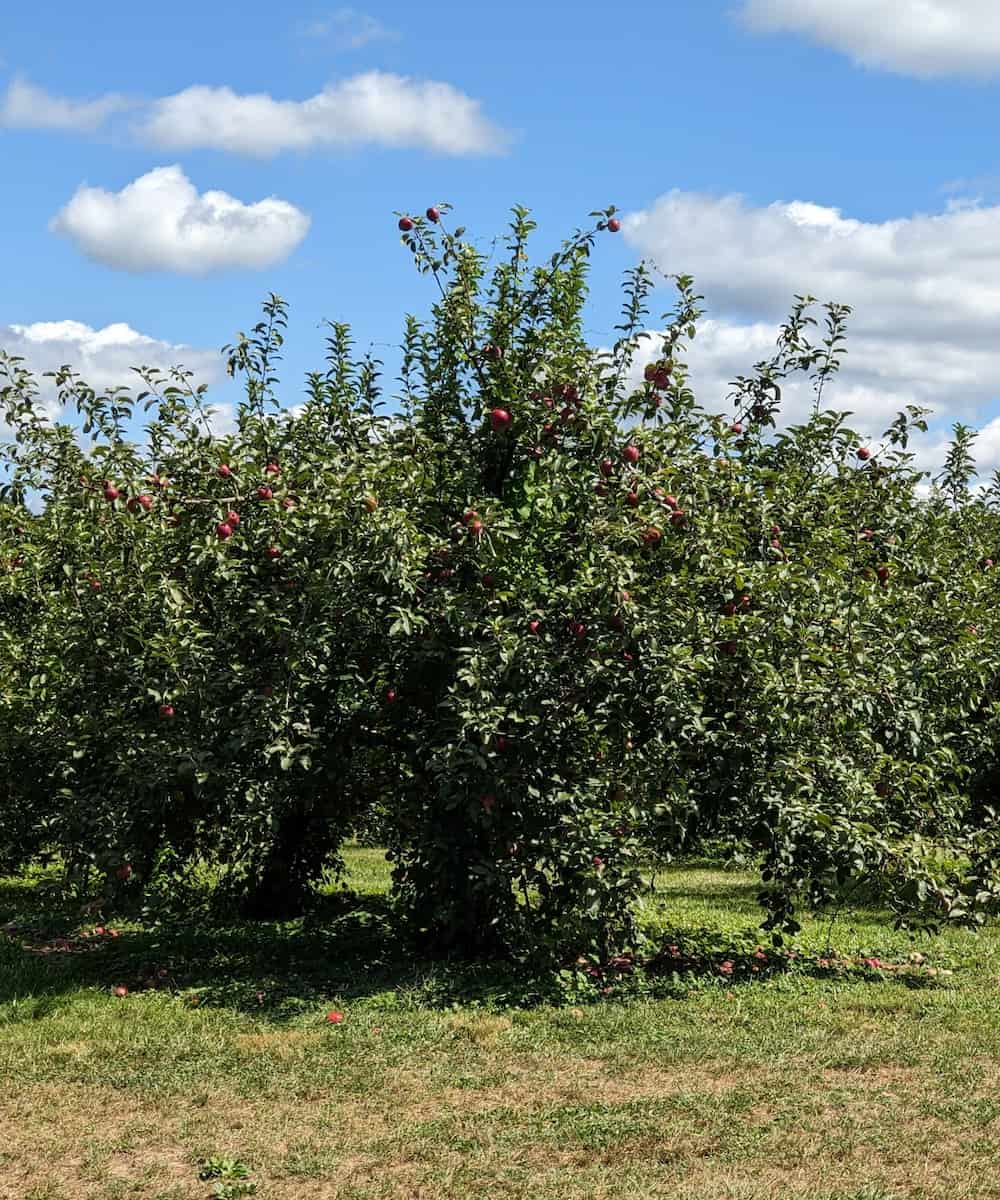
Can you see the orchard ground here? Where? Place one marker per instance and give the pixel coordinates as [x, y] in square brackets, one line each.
[459, 1082]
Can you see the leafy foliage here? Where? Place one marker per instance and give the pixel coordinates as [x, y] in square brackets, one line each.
[547, 621]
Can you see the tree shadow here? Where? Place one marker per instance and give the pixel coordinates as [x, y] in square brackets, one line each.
[348, 947]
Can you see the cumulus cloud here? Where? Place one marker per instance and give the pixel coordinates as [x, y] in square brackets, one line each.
[925, 293]
[159, 222]
[25, 106]
[924, 38]
[373, 108]
[103, 358]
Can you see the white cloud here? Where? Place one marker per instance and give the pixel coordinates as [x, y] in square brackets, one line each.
[25, 106]
[925, 291]
[159, 222]
[925, 38]
[348, 29]
[373, 108]
[102, 357]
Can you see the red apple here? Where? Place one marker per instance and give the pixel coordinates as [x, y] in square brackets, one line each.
[272, 468]
[405, 224]
[632, 498]
[232, 519]
[678, 518]
[578, 630]
[264, 493]
[166, 712]
[614, 225]
[433, 214]
[470, 514]
[882, 573]
[736, 427]
[607, 467]
[662, 379]
[224, 471]
[476, 528]
[390, 696]
[864, 453]
[631, 454]
[124, 871]
[289, 503]
[650, 372]
[273, 552]
[534, 626]
[500, 419]
[111, 493]
[224, 530]
[652, 536]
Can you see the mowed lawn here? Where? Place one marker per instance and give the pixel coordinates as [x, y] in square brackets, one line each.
[454, 1083]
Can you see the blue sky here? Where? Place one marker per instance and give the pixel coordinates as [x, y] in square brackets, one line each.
[768, 147]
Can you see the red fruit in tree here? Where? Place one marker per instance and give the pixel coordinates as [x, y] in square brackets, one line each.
[632, 498]
[662, 379]
[607, 467]
[272, 468]
[631, 454]
[124, 871]
[224, 471]
[736, 427]
[614, 225]
[469, 515]
[273, 552]
[578, 630]
[650, 372]
[493, 352]
[390, 696]
[775, 531]
[334, 1018]
[534, 626]
[166, 711]
[500, 419]
[224, 530]
[671, 502]
[882, 573]
[405, 224]
[264, 493]
[433, 214]
[652, 536]
[864, 453]
[232, 519]
[476, 528]
[111, 493]
[678, 518]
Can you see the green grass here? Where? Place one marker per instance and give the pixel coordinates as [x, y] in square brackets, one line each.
[457, 1082]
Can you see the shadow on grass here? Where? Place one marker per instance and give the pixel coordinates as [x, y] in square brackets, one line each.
[348, 947]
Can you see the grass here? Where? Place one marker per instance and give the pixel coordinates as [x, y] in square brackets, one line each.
[457, 1083]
